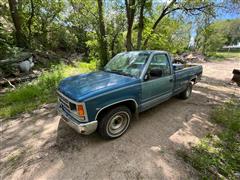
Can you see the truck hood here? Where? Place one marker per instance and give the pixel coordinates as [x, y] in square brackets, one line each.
[81, 87]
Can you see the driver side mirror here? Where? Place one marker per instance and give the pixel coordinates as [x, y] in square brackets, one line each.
[155, 73]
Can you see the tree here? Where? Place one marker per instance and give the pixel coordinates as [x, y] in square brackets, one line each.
[32, 13]
[140, 24]
[173, 35]
[103, 49]
[217, 34]
[100, 29]
[188, 7]
[130, 12]
[17, 21]
[116, 26]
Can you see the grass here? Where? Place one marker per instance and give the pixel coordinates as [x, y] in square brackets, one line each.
[14, 159]
[30, 96]
[218, 156]
[221, 56]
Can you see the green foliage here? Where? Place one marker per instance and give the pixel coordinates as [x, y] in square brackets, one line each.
[6, 41]
[74, 26]
[216, 35]
[64, 40]
[172, 35]
[218, 156]
[30, 96]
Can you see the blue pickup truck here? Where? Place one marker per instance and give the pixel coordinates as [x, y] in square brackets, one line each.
[130, 83]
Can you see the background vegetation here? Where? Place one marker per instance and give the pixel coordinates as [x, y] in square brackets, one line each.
[99, 29]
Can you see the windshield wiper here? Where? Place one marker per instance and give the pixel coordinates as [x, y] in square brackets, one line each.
[126, 74]
[118, 72]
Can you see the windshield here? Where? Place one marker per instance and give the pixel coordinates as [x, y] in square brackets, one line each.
[128, 63]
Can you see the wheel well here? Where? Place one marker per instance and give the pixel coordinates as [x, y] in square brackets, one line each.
[129, 103]
[194, 80]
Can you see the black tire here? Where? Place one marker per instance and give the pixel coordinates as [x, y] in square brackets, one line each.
[187, 92]
[115, 122]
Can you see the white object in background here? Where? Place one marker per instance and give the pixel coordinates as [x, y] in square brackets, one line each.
[26, 65]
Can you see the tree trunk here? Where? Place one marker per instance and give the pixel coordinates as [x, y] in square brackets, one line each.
[130, 11]
[20, 39]
[140, 25]
[103, 51]
[30, 22]
[113, 45]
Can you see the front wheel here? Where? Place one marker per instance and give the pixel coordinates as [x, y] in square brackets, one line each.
[115, 122]
[187, 92]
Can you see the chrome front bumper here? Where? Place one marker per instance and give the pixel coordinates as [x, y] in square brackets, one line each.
[82, 128]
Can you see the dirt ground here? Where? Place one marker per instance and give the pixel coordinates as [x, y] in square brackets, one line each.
[40, 146]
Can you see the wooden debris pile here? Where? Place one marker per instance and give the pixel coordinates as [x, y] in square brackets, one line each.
[192, 57]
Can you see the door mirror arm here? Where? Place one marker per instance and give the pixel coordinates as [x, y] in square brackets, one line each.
[146, 77]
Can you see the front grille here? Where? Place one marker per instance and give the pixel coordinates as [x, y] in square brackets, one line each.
[69, 108]
[64, 101]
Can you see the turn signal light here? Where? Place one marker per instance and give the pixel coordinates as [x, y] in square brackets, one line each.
[80, 110]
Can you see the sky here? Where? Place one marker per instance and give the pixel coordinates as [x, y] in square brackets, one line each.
[221, 14]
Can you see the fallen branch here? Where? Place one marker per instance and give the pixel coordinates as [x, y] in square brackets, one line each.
[9, 83]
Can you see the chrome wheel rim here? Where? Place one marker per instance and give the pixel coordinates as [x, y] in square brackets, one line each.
[118, 123]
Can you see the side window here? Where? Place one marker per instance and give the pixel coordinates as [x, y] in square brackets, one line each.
[160, 63]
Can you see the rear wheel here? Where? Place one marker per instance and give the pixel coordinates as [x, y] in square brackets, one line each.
[115, 122]
[187, 92]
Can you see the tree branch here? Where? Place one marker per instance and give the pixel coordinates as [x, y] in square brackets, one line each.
[169, 9]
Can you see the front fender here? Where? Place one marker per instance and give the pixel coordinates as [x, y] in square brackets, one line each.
[95, 105]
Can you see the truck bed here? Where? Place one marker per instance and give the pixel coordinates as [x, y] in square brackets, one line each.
[182, 76]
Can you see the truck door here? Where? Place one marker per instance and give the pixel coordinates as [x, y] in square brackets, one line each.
[158, 81]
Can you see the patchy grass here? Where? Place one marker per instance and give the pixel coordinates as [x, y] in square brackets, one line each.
[14, 159]
[11, 162]
[30, 96]
[221, 56]
[218, 156]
